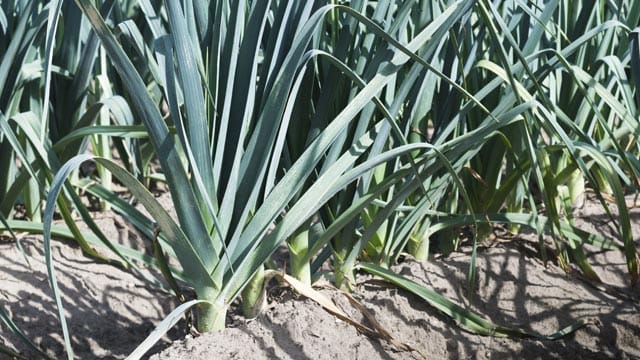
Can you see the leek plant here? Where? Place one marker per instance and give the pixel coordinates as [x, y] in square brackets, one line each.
[367, 54]
[225, 183]
[231, 100]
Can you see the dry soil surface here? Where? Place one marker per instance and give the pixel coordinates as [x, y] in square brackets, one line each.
[111, 311]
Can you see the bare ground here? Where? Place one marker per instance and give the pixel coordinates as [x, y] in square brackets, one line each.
[110, 311]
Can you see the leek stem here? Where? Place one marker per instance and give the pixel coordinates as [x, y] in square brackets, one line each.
[298, 250]
[253, 295]
[210, 316]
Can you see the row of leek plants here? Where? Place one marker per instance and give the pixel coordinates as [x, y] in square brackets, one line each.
[234, 204]
[557, 144]
[377, 141]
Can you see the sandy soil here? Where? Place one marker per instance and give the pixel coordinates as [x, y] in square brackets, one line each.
[513, 290]
[111, 311]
